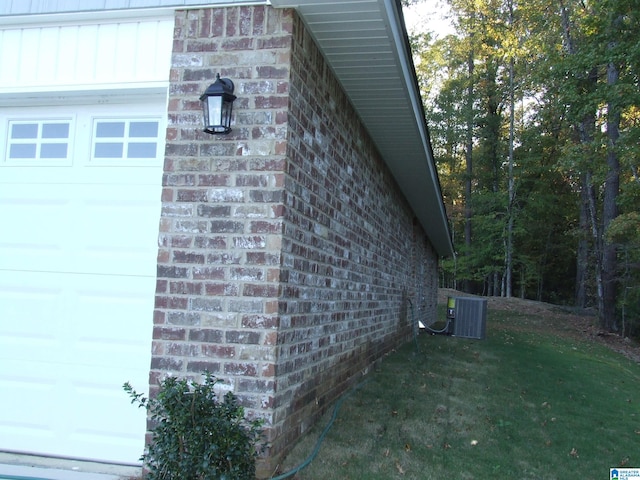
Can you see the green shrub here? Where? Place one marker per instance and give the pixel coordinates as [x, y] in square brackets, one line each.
[195, 435]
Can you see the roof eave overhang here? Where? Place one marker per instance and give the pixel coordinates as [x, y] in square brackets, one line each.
[365, 43]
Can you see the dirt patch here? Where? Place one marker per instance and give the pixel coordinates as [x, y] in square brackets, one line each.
[582, 324]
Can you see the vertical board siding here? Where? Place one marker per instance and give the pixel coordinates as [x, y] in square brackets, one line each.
[25, 7]
[85, 55]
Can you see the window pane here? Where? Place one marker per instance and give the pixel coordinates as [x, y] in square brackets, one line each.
[108, 150]
[110, 129]
[53, 150]
[143, 129]
[24, 150]
[55, 130]
[141, 150]
[24, 130]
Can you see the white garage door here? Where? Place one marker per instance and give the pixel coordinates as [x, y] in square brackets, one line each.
[80, 195]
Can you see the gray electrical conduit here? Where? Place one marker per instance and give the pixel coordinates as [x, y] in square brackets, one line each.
[427, 327]
[336, 409]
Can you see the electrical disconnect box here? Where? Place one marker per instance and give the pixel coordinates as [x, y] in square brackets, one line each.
[468, 317]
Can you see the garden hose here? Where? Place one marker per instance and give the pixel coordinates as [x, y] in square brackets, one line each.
[316, 449]
[339, 403]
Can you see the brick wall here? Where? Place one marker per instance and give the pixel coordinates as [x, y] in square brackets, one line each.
[222, 205]
[350, 251]
[287, 253]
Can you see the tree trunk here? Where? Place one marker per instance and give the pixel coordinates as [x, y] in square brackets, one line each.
[588, 212]
[597, 240]
[610, 208]
[582, 255]
[469, 162]
[512, 192]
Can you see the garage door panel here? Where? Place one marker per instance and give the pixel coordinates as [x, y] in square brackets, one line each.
[104, 229]
[88, 382]
[77, 283]
[33, 312]
[113, 321]
[115, 421]
[104, 420]
[119, 230]
[33, 389]
[98, 320]
[36, 217]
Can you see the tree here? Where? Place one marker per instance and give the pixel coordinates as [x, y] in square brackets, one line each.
[534, 109]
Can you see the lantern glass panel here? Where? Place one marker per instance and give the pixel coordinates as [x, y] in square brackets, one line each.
[226, 114]
[213, 113]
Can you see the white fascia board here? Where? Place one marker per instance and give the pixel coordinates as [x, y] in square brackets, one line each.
[404, 54]
[84, 95]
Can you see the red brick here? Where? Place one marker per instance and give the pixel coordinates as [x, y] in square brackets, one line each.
[169, 333]
[203, 366]
[185, 195]
[213, 180]
[222, 289]
[171, 303]
[185, 288]
[261, 226]
[245, 369]
[219, 351]
[271, 101]
[172, 272]
[245, 337]
[260, 290]
[180, 256]
[206, 335]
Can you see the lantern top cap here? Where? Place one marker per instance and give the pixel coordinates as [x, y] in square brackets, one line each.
[222, 87]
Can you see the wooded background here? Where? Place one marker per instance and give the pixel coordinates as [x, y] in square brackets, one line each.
[534, 114]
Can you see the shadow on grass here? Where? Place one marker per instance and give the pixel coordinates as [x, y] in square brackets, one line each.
[526, 403]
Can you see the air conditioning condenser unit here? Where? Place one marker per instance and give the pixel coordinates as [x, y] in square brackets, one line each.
[469, 316]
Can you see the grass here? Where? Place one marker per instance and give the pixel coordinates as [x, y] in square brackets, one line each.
[529, 402]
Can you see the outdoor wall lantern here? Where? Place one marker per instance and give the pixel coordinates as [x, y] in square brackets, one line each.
[217, 101]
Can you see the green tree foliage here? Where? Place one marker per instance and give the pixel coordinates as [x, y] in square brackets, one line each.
[624, 232]
[534, 112]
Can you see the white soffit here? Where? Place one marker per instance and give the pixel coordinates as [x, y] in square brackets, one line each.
[365, 43]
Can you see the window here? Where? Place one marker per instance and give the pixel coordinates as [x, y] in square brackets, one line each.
[44, 142]
[81, 136]
[124, 139]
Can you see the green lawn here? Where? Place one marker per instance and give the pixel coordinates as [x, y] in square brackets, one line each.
[529, 402]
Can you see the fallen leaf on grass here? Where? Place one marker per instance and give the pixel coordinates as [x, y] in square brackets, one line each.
[386, 452]
[407, 447]
[400, 469]
[574, 453]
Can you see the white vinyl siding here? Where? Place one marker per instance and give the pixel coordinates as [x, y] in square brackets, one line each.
[90, 56]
